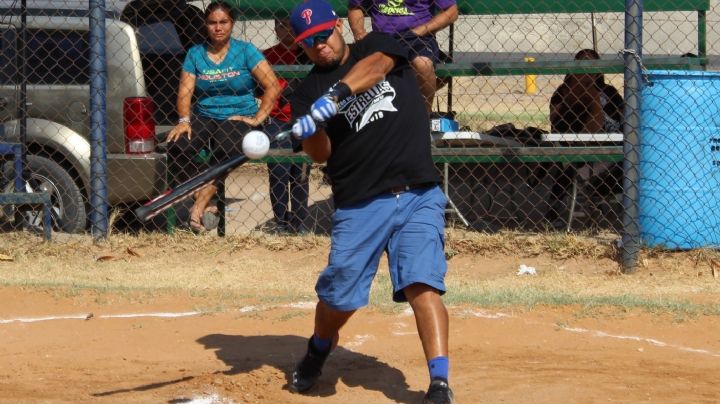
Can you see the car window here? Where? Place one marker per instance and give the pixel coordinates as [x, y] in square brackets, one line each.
[165, 31]
[159, 38]
[162, 54]
[58, 57]
[8, 73]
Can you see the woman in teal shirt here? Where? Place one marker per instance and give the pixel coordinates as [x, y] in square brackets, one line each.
[222, 74]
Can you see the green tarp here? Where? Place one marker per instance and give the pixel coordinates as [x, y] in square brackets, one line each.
[268, 9]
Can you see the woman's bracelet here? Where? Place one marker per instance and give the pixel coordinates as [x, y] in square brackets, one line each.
[183, 119]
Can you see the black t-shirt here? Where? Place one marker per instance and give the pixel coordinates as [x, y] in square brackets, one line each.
[380, 138]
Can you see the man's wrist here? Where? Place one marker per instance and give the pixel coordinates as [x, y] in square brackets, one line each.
[183, 119]
[340, 91]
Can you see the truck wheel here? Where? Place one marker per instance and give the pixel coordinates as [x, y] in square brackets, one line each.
[44, 175]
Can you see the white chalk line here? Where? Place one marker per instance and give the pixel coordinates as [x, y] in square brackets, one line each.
[601, 334]
[88, 316]
[651, 341]
[359, 339]
[48, 318]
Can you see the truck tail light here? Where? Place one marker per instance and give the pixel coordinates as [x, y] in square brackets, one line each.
[139, 125]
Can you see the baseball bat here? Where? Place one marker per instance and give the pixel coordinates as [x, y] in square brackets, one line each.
[186, 189]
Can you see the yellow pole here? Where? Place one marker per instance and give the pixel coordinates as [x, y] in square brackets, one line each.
[530, 84]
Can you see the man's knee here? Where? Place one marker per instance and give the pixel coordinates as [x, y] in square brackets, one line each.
[424, 67]
[420, 293]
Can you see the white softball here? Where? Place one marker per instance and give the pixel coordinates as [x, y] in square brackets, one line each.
[255, 144]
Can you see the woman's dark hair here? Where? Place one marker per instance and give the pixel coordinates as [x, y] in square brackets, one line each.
[219, 5]
[589, 54]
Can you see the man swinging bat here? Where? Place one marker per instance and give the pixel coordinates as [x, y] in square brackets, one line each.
[375, 139]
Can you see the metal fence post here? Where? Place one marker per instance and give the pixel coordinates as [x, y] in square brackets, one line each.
[631, 130]
[98, 122]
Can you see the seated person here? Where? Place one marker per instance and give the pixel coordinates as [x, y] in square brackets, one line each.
[220, 74]
[584, 103]
[414, 24]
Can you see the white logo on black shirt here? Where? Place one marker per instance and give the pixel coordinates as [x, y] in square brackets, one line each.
[368, 106]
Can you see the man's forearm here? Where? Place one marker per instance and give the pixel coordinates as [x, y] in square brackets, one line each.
[368, 72]
[317, 147]
[356, 18]
[438, 22]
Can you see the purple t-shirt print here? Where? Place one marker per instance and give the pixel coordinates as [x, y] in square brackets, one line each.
[393, 16]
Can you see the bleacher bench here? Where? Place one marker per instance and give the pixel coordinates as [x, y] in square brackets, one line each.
[259, 9]
[541, 66]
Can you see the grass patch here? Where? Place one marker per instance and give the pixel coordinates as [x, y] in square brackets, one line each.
[293, 314]
[239, 271]
[559, 245]
[531, 297]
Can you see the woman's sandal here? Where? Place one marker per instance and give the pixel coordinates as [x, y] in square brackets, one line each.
[211, 218]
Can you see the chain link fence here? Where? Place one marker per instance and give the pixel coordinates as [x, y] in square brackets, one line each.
[528, 130]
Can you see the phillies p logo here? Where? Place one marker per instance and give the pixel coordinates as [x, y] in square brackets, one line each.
[306, 14]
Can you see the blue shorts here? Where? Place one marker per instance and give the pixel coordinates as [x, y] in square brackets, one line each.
[426, 46]
[408, 226]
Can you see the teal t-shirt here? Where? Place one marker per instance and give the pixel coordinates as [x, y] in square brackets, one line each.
[227, 88]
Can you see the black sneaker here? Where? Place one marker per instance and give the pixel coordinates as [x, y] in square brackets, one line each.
[300, 230]
[279, 229]
[308, 370]
[439, 393]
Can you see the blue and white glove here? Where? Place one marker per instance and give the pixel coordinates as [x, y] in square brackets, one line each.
[326, 106]
[304, 127]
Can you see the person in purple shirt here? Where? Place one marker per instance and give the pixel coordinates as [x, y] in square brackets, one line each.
[414, 23]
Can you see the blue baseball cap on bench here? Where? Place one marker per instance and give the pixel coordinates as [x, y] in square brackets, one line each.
[310, 18]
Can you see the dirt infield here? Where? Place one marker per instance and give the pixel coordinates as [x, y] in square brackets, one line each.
[97, 337]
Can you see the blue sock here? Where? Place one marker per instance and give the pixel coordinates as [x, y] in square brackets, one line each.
[322, 345]
[439, 367]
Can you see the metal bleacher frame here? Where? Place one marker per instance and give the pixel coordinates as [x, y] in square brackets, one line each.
[20, 197]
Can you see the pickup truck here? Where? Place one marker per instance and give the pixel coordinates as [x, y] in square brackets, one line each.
[146, 44]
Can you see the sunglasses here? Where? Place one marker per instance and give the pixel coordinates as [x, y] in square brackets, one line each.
[318, 38]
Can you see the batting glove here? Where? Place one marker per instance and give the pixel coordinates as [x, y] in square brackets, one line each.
[304, 127]
[324, 108]
[327, 106]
